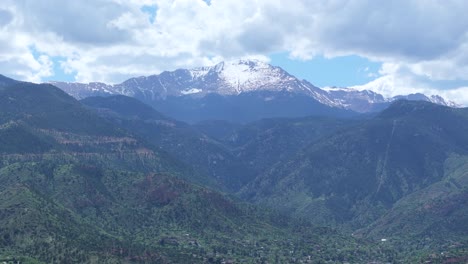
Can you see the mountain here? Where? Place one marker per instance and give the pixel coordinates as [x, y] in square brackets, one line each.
[436, 99]
[76, 213]
[79, 188]
[246, 107]
[206, 155]
[110, 179]
[364, 101]
[235, 157]
[358, 101]
[42, 122]
[443, 206]
[225, 78]
[5, 81]
[217, 129]
[361, 173]
[264, 143]
[239, 91]
[49, 108]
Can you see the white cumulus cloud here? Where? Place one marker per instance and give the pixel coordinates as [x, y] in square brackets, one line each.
[421, 43]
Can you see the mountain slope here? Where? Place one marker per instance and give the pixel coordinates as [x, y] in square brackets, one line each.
[225, 78]
[32, 225]
[156, 218]
[47, 107]
[232, 161]
[100, 184]
[442, 207]
[40, 122]
[205, 155]
[240, 91]
[246, 107]
[364, 101]
[358, 174]
[5, 81]
[217, 129]
[262, 144]
[435, 216]
[77, 200]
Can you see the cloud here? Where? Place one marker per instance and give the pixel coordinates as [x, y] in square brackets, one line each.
[393, 85]
[79, 22]
[410, 30]
[426, 41]
[396, 79]
[5, 17]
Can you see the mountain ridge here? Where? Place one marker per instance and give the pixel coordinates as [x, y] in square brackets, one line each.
[101, 194]
[238, 91]
[104, 161]
[177, 138]
[381, 159]
[4, 81]
[236, 77]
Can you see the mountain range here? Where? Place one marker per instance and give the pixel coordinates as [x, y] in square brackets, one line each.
[109, 179]
[80, 185]
[240, 91]
[372, 163]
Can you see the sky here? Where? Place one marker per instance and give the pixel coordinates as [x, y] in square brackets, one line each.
[391, 47]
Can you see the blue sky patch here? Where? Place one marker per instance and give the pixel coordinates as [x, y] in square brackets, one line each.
[151, 11]
[342, 71]
[58, 73]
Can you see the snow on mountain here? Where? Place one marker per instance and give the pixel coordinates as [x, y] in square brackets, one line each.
[246, 76]
[367, 101]
[352, 99]
[192, 91]
[225, 78]
[436, 99]
[199, 72]
[83, 90]
[233, 78]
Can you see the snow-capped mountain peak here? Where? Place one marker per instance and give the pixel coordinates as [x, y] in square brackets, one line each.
[239, 76]
[367, 100]
[232, 78]
[248, 75]
[199, 72]
[224, 78]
